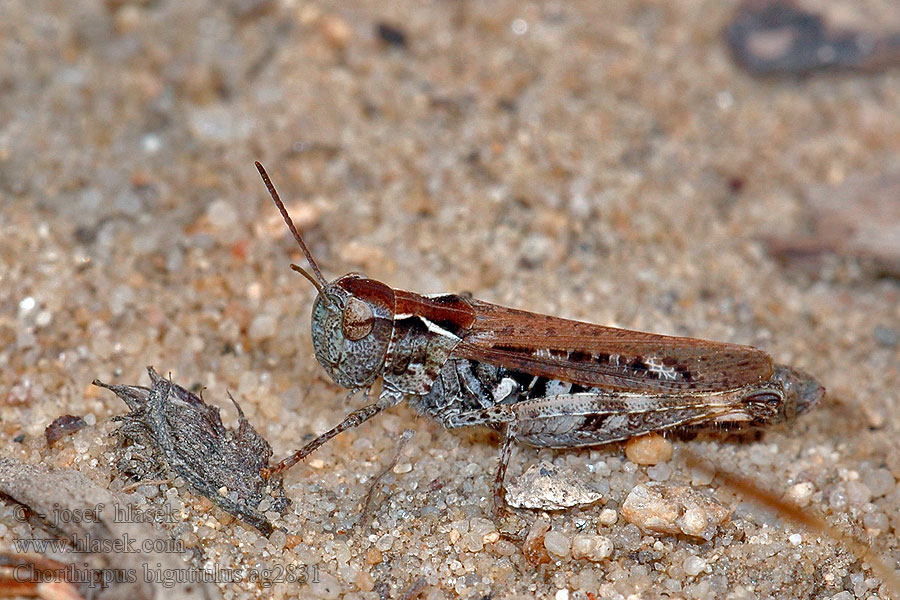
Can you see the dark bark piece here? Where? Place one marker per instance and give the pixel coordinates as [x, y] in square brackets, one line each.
[176, 429]
[771, 37]
[62, 426]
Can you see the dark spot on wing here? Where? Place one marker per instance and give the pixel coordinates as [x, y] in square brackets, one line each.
[638, 364]
[579, 356]
[446, 300]
[512, 349]
[594, 422]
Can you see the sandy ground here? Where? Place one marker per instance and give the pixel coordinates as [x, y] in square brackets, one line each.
[601, 161]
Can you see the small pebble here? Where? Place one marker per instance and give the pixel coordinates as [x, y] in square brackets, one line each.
[800, 493]
[880, 481]
[373, 556]
[703, 473]
[562, 594]
[391, 34]
[594, 548]
[693, 566]
[660, 472]
[795, 539]
[44, 318]
[325, 586]
[364, 581]
[385, 542]
[557, 544]
[858, 493]
[544, 486]
[26, 305]
[473, 542]
[608, 516]
[648, 449]
[673, 509]
[481, 526]
[876, 522]
[694, 521]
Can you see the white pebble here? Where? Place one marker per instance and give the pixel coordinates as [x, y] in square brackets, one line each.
[151, 143]
[672, 509]
[557, 543]
[800, 493]
[694, 565]
[795, 539]
[876, 522]
[385, 542]
[325, 586]
[694, 521]
[880, 482]
[481, 526]
[858, 492]
[473, 542]
[26, 305]
[608, 516]
[660, 472]
[591, 547]
[43, 318]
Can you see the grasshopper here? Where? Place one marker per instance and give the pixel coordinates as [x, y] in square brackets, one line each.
[543, 381]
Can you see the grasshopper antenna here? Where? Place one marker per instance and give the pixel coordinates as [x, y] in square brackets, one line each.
[318, 281]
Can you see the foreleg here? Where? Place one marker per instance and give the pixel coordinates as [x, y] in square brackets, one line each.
[387, 399]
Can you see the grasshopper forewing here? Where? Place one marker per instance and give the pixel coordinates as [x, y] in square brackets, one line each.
[543, 381]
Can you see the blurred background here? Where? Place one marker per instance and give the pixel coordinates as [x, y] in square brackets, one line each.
[721, 170]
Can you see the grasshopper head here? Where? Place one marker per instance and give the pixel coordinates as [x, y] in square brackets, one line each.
[352, 322]
[801, 391]
[352, 317]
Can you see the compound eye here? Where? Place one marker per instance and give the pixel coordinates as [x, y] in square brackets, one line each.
[358, 319]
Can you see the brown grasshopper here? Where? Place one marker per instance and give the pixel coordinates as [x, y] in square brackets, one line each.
[544, 381]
